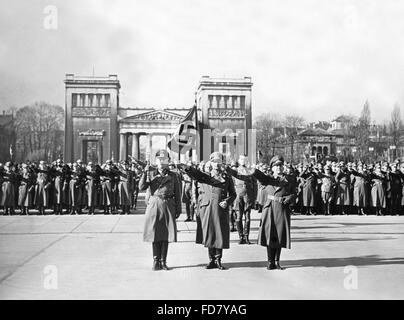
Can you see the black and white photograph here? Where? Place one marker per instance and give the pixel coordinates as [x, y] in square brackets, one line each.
[201, 150]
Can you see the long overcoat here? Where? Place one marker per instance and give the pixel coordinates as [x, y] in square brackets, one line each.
[309, 184]
[213, 189]
[378, 191]
[343, 192]
[275, 219]
[26, 189]
[42, 189]
[125, 188]
[92, 188]
[8, 189]
[163, 205]
[360, 189]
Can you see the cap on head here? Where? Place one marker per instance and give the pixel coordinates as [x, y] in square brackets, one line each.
[162, 154]
[216, 157]
[276, 160]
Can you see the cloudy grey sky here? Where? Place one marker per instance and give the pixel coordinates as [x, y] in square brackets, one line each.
[311, 57]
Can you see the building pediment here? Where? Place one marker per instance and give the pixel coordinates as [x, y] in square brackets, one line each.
[157, 115]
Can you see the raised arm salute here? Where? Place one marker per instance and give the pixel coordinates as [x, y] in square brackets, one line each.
[216, 195]
[274, 232]
[163, 207]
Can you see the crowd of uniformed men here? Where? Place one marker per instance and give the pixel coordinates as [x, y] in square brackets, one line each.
[220, 195]
[323, 188]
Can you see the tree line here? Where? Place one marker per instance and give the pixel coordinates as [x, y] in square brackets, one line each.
[39, 132]
[275, 131]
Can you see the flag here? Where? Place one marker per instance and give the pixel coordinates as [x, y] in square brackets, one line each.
[184, 137]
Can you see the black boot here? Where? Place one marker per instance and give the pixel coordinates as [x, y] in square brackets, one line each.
[277, 258]
[164, 250]
[218, 259]
[156, 256]
[239, 225]
[211, 264]
[271, 258]
[247, 229]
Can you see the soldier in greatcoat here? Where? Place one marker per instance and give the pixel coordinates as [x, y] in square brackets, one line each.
[308, 186]
[92, 186]
[43, 184]
[58, 174]
[125, 187]
[216, 197]
[162, 209]
[76, 186]
[107, 182]
[396, 185]
[246, 193]
[26, 189]
[327, 189]
[343, 189]
[7, 200]
[274, 232]
[360, 182]
[378, 190]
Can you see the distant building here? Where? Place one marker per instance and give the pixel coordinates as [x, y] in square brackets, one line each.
[98, 128]
[7, 136]
[346, 146]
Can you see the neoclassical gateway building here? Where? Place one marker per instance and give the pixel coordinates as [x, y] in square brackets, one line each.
[98, 128]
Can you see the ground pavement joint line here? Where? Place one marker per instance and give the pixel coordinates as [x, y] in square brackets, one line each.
[116, 223]
[7, 224]
[30, 258]
[88, 218]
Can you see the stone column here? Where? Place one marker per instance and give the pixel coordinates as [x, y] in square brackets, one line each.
[122, 147]
[149, 147]
[135, 146]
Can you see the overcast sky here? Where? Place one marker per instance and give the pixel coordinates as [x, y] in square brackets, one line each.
[314, 58]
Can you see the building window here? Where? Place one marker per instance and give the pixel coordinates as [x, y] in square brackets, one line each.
[227, 102]
[210, 99]
[74, 100]
[242, 102]
[90, 100]
[98, 97]
[313, 151]
[107, 100]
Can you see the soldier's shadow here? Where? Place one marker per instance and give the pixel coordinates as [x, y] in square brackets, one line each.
[369, 260]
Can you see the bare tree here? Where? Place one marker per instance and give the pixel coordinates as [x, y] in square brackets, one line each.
[362, 131]
[396, 127]
[39, 130]
[267, 136]
[292, 122]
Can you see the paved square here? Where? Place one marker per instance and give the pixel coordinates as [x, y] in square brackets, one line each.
[104, 257]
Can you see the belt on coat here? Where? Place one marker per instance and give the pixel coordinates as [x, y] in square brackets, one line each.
[274, 198]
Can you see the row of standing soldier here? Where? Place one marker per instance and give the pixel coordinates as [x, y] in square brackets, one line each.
[350, 188]
[69, 187]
